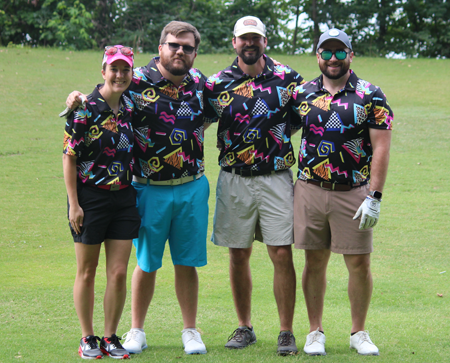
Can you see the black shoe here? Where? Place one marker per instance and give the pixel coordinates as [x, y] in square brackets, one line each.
[241, 338]
[286, 344]
[111, 346]
[89, 348]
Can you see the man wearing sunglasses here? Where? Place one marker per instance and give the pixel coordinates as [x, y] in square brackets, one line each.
[172, 192]
[251, 100]
[343, 162]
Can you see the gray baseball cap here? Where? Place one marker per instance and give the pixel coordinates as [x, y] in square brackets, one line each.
[335, 34]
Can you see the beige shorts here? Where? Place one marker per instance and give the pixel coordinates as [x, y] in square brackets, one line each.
[257, 207]
[323, 219]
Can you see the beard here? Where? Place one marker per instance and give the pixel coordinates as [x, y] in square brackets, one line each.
[249, 59]
[177, 70]
[342, 71]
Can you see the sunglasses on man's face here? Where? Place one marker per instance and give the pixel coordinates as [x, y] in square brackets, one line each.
[187, 49]
[126, 51]
[339, 54]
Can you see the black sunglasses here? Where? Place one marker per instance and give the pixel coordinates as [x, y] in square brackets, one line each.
[339, 54]
[187, 49]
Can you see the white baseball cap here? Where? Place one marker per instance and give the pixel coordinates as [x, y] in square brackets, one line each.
[249, 24]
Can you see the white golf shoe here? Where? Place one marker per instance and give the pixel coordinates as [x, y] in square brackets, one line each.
[135, 341]
[315, 343]
[192, 341]
[362, 343]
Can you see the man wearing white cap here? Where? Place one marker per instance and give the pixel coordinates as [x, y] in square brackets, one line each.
[343, 163]
[251, 100]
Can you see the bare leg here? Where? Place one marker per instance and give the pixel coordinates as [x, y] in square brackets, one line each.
[83, 289]
[359, 288]
[186, 287]
[314, 282]
[142, 289]
[117, 256]
[284, 284]
[241, 283]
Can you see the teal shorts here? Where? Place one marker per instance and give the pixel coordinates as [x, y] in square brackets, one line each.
[178, 214]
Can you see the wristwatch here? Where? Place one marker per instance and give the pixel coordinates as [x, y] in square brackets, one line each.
[375, 194]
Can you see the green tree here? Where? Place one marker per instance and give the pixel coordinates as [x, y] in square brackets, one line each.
[69, 25]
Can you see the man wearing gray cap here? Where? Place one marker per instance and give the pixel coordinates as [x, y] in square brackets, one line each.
[252, 101]
[343, 162]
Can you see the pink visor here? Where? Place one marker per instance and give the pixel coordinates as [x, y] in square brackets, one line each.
[116, 52]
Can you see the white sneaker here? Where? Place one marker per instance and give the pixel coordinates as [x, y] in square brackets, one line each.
[135, 341]
[362, 343]
[315, 343]
[192, 341]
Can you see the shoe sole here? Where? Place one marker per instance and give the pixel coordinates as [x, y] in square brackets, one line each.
[287, 352]
[367, 354]
[197, 352]
[125, 356]
[245, 346]
[137, 351]
[315, 354]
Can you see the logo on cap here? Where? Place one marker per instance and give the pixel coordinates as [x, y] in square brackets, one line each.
[333, 33]
[250, 22]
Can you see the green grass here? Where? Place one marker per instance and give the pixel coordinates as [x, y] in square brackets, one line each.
[407, 320]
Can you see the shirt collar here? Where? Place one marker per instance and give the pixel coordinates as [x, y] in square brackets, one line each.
[100, 102]
[350, 85]
[267, 71]
[155, 75]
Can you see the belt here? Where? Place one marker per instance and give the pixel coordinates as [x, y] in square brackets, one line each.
[247, 172]
[111, 187]
[339, 187]
[179, 181]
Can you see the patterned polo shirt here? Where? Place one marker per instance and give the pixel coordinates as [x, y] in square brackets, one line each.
[168, 124]
[255, 116]
[335, 138]
[102, 143]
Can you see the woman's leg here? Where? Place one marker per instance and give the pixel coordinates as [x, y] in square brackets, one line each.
[83, 289]
[117, 256]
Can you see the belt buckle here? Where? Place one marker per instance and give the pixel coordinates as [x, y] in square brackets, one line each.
[324, 188]
[114, 187]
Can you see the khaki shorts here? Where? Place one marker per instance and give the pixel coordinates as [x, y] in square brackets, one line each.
[257, 207]
[323, 219]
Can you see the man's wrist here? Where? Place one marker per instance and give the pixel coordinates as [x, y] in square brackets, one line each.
[375, 194]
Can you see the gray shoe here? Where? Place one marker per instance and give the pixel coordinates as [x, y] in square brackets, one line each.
[286, 344]
[242, 337]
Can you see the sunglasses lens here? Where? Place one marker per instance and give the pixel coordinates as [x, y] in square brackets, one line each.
[326, 54]
[110, 50]
[126, 51]
[174, 46]
[188, 49]
[341, 54]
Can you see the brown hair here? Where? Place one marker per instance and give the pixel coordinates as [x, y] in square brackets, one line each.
[176, 28]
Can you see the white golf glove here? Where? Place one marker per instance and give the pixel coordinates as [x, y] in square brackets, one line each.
[369, 211]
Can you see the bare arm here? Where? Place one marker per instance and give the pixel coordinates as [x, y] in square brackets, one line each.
[76, 214]
[381, 144]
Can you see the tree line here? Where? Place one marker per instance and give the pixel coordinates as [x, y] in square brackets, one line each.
[377, 27]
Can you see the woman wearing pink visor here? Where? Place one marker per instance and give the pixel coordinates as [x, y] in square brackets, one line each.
[97, 163]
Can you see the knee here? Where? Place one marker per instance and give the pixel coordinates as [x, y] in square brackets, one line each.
[359, 264]
[87, 274]
[239, 256]
[117, 275]
[316, 261]
[281, 255]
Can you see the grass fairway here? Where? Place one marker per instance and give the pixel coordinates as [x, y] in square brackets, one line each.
[407, 320]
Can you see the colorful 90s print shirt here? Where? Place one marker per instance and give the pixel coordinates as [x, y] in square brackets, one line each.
[102, 143]
[168, 124]
[335, 138]
[255, 116]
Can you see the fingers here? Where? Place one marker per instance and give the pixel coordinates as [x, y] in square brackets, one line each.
[77, 224]
[74, 100]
